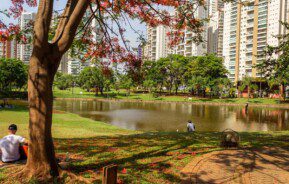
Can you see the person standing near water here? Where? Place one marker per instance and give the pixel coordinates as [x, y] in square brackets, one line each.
[190, 126]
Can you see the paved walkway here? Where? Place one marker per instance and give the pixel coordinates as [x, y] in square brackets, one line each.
[240, 166]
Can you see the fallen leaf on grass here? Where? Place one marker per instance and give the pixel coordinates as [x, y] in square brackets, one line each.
[152, 165]
[112, 149]
[180, 157]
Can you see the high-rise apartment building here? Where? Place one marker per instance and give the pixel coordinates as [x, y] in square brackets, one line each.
[247, 31]
[8, 49]
[63, 66]
[5, 50]
[25, 50]
[188, 47]
[70, 63]
[215, 27]
[157, 43]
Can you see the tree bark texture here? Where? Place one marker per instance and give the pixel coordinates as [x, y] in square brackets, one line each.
[41, 160]
[44, 63]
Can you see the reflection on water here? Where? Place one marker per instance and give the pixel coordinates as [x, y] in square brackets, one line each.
[173, 116]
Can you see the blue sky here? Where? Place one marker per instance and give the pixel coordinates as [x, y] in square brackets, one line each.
[59, 4]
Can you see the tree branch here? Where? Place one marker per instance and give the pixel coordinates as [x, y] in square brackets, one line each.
[71, 26]
[70, 5]
[42, 23]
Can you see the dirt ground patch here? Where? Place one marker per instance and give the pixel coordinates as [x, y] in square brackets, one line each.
[266, 166]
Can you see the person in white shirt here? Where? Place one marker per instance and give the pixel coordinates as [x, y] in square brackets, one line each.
[9, 145]
[190, 126]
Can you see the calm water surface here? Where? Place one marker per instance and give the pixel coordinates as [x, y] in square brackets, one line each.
[173, 116]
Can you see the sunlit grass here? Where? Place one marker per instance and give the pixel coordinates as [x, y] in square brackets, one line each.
[65, 125]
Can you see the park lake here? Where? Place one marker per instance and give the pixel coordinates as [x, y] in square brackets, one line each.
[146, 116]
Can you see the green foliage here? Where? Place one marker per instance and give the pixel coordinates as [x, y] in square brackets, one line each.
[126, 83]
[207, 73]
[64, 81]
[175, 72]
[98, 77]
[276, 65]
[149, 84]
[155, 72]
[13, 74]
[175, 69]
[166, 72]
[247, 82]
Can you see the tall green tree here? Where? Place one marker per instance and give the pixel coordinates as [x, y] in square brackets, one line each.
[206, 72]
[166, 72]
[155, 72]
[247, 82]
[65, 81]
[13, 74]
[176, 68]
[97, 77]
[276, 65]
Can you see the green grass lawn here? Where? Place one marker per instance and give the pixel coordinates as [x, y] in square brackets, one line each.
[80, 93]
[142, 157]
[65, 125]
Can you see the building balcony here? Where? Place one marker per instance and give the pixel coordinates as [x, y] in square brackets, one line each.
[250, 33]
[250, 25]
[249, 59]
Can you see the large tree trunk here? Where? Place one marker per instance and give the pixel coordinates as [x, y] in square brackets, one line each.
[43, 65]
[41, 158]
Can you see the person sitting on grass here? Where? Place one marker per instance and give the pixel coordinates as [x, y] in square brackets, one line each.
[190, 126]
[10, 144]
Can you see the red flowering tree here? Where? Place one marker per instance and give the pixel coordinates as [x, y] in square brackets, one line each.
[72, 28]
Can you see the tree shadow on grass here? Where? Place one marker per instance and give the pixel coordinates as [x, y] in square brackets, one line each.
[160, 156]
[157, 153]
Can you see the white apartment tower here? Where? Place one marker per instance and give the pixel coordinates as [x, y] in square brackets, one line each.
[215, 27]
[25, 50]
[188, 47]
[72, 64]
[247, 31]
[157, 40]
[157, 43]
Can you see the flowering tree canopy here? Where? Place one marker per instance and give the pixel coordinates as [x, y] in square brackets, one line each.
[112, 18]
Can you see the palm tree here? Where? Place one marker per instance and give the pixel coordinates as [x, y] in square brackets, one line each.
[247, 82]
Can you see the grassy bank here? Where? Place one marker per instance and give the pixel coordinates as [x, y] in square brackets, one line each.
[143, 157]
[65, 125]
[79, 93]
